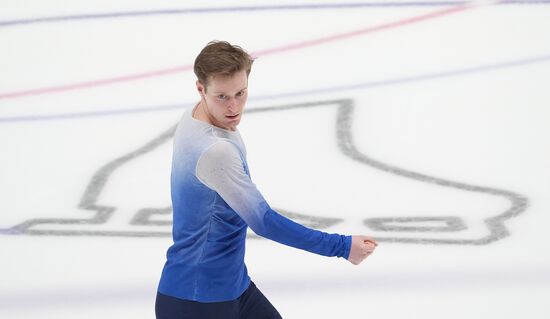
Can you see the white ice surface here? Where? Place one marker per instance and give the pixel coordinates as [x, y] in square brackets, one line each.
[487, 128]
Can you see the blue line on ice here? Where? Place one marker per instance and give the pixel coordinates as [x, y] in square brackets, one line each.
[318, 6]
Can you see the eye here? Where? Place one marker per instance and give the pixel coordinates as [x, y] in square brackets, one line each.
[241, 93]
[222, 97]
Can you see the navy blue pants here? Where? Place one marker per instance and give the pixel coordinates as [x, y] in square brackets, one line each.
[252, 304]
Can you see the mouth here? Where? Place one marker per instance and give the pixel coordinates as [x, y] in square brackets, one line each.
[232, 117]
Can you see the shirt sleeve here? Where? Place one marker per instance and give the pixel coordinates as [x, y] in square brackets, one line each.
[222, 169]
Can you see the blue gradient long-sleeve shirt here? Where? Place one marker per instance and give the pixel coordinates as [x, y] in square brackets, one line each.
[214, 202]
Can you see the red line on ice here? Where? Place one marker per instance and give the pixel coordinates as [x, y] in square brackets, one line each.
[276, 50]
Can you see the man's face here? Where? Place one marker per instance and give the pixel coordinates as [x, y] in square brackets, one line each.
[225, 98]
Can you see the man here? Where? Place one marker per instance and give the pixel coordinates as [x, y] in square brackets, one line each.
[214, 202]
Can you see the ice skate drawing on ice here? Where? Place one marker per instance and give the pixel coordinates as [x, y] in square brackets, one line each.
[314, 174]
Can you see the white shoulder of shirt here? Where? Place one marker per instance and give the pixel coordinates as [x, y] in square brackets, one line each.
[220, 165]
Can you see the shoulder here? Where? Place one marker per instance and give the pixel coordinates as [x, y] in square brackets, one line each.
[218, 164]
[219, 156]
[221, 150]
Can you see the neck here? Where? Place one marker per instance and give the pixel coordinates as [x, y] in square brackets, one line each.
[200, 114]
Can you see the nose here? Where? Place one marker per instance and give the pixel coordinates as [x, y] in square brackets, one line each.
[231, 105]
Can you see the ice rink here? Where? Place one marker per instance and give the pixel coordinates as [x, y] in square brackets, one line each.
[424, 124]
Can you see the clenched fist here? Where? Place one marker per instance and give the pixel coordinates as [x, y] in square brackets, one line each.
[361, 248]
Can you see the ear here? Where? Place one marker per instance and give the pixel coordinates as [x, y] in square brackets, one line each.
[200, 88]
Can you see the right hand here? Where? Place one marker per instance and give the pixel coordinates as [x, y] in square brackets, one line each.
[361, 248]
